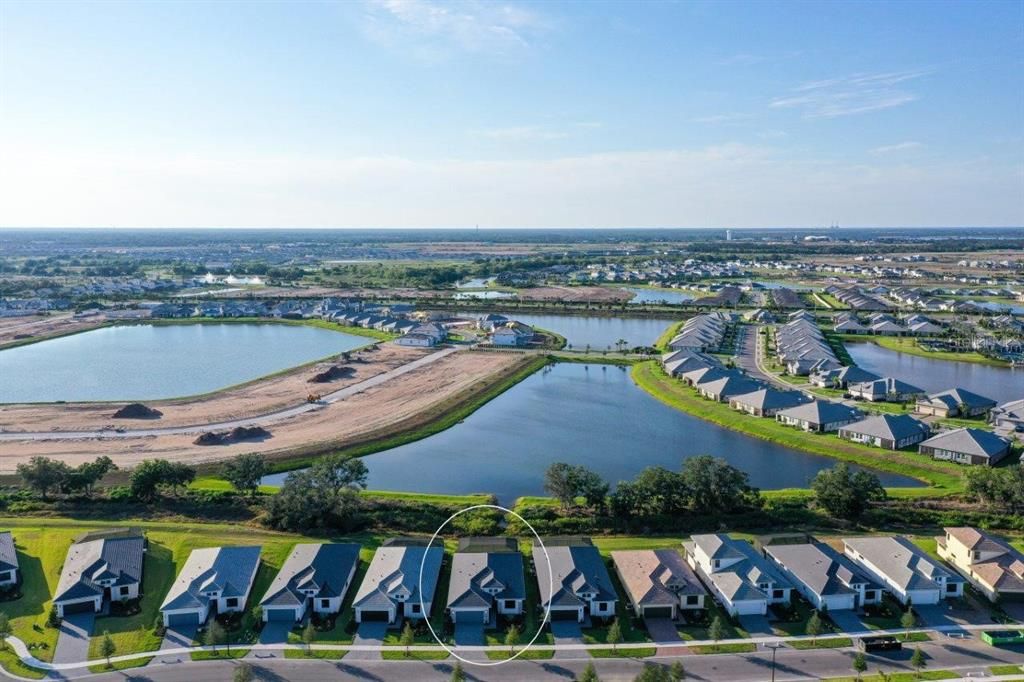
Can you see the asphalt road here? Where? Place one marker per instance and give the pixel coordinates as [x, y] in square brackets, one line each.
[257, 420]
[967, 657]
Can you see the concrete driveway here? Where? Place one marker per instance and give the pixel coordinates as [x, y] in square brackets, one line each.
[370, 634]
[662, 630]
[73, 638]
[273, 632]
[955, 612]
[847, 620]
[1015, 610]
[469, 634]
[756, 625]
[175, 638]
[566, 632]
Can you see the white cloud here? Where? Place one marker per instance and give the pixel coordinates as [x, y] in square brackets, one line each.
[848, 95]
[730, 184]
[437, 29]
[898, 147]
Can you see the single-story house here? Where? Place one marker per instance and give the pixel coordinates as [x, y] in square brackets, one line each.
[390, 588]
[724, 388]
[101, 566]
[314, 575]
[582, 586]
[890, 431]
[742, 580]
[487, 580]
[886, 388]
[825, 577]
[904, 569]
[842, 377]
[819, 415]
[8, 560]
[767, 401]
[488, 322]
[966, 446]
[850, 326]
[1008, 416]
[515, 334]
[956, 402]
[214, 580]
[658, 582]
[423, 335]
[699, 374]
[991, 564]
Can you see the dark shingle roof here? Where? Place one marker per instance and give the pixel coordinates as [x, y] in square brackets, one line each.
[8, 555]
[574, 569]
[119, 558]
[970, 442]
[320, 567]
[228, 569]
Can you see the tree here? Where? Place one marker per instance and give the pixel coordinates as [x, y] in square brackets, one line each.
[458, 674]
[5, 630]
[512, 637]
[614, 634]
[560, 483]
[43, 474]
[215, 634]
[107, 647]
[323, 496]
[243, 673]
[814, 626]
[652, 673]
[715, 629]
[589, 674]
[918, 661]
[591, 487]
[860, 665]
[245, 472]
[308, 634]
[85, 476]
[151, 475]
[907, 621]
[408, 637]
[677, 673]
[845, 494]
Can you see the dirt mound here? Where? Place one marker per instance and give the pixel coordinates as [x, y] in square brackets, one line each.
[137, 411]
[239, 433]
[335, 372]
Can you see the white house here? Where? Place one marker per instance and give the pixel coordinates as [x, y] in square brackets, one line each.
[102, 566]
[313, 575]
[582, 586]
[742, 580]
[390, 589]
[214, 580]
[904, 569]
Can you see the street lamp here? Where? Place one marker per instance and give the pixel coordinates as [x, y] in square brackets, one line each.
[774, 648]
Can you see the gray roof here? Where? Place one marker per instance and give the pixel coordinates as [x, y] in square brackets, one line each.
[738, 581]
[574, 569]
[900, 560]
[822, 569]
[970, 442]
[955, 397]
[229, 570]
[119, 558]
[851, 374]
[8, 555]
[822, 412]
[480, 578]
[885, 386]
[656, 577]
[893, 427]
[318, 570]
[726, 387]
[771, 399]
[394, 570]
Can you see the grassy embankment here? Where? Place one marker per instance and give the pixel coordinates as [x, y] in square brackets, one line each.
[661, 343]
[944, 478]
[908, 345]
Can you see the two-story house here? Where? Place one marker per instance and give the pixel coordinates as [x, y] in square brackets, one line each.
[990, 563]
[743, 581]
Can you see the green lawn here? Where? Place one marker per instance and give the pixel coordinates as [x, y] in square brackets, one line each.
[527, 655]
[121, 665]
[945, 478]
[821, 643]
[908, 345]
[730, 629]
[901, 677]
[220, 654]
[738, 648]
[321, 654]
[625, 652]
[399, 655]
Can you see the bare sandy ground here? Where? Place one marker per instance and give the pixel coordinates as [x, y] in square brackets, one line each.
[254, 398]
[584, 293]
[18, 328]
[355, 419]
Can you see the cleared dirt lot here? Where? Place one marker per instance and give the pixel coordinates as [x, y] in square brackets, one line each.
[557, 293]
[20, 328]
[395, 404]
[254, 398]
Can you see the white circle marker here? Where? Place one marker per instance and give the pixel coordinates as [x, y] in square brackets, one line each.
[551, 585]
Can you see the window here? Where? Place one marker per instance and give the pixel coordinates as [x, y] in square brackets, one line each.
[5, 576]
[325, 603]
[414, 608]
[125, 590]
[779, 594]
[869, 594]
[231, 602]
[951, 587]
[692, 599]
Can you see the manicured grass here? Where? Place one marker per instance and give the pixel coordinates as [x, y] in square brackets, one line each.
[120, 665]
[1006, 669]
[625, 652]
[910, 637]
[901, 677]
[321, 654]
[399, 655]
[220, 654]
[662, 342]
[730, 629]
[12, 664]
[737, 648]
[527, 655]
[821, 643]
[945, 477]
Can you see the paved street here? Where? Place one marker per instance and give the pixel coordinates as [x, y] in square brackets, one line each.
[791, 666]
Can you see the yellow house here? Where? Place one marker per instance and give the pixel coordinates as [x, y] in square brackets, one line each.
[992, 565]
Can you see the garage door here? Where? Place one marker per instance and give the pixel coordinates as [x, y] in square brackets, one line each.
[658, 612]
[469, 616]
[564, 614]
[373, 616]
[281, 615]
[80, 607]
[182, 619]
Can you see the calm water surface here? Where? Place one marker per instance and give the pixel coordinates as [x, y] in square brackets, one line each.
[670, 296]
[599, 332]
[1002, 384]
[585, 414]
[147, 362]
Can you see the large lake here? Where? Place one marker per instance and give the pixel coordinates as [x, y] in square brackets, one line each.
[656, 296]
[150, 362]
[584, 414]
[600, 333]
[999, 383]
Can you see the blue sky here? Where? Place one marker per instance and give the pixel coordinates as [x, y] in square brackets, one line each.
[421, 113]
